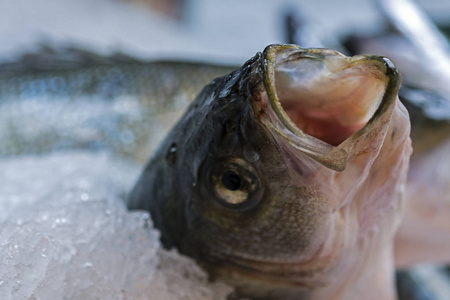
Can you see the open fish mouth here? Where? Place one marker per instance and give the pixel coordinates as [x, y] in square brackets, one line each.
[319, 98]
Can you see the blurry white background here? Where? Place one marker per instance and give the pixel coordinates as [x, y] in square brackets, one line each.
[226, 31]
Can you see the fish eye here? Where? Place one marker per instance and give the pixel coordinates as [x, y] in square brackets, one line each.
[234, 183]
[231, 180]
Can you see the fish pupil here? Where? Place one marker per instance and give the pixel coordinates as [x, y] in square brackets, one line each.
[231, 180]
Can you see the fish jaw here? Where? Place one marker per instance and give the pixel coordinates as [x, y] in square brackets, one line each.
[362, 88]
[346, 99]
[318, 98]
[361, 179]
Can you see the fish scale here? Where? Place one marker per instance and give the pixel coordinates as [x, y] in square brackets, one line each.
[75, 99]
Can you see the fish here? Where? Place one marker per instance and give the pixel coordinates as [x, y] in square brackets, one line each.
[286, 177]
[69, 98]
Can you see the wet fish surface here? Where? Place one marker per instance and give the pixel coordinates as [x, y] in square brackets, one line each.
[286, 177]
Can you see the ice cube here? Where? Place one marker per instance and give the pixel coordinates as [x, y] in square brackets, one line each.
[66, 234]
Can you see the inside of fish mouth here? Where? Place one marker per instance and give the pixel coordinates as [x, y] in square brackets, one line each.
[329, 98]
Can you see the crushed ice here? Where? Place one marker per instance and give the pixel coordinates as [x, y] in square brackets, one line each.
[66, 234]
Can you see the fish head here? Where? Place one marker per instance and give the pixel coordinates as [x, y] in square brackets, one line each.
[272, 185]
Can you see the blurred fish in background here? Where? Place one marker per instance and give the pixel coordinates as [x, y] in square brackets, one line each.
[72, 99]
[115, 75]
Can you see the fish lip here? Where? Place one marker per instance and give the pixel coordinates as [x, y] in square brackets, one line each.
[333, 157]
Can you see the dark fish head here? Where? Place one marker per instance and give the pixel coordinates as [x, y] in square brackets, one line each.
[273, 177]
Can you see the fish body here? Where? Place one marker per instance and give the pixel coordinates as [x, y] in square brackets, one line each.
[285, 178]
[72, 99]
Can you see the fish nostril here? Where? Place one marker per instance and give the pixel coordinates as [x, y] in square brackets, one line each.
[171, 155]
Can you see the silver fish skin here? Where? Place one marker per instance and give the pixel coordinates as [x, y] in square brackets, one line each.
[286, 177]
[59, 99]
